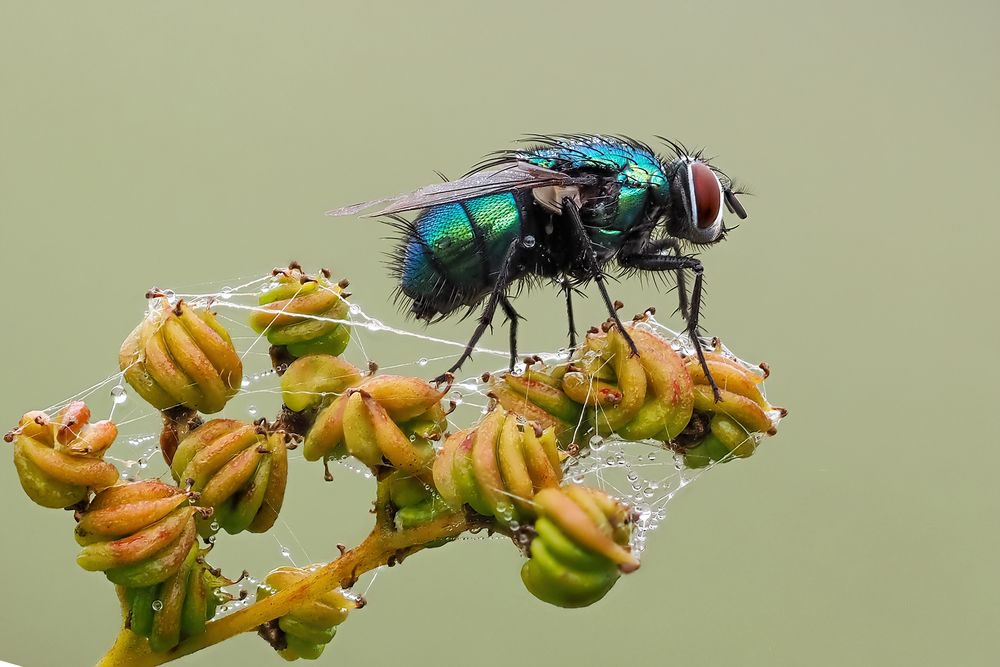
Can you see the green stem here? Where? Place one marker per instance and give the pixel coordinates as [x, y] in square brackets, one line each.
[382, 546]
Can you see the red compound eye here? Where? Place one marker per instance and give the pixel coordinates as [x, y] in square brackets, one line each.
[707, 195]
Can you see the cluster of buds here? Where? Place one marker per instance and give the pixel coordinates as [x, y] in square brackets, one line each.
[385, 420]
[306, 631]
[179, 355]
[303, 314]
[580, 546]
[655, 395]
[60, 459]
[239, 470]
[178, 607]
[138, 533]
[498, 467]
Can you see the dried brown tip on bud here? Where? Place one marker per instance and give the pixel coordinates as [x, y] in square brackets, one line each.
[618, 305]
[10, 435]
[327, 475]
[485, 377]
[593, 330]
[452, 406]
[344, 282]
[767, 369]
[607, 326]
[361, 602]
[342, 548]
[537, 429]
[572, 449]
[372, 367]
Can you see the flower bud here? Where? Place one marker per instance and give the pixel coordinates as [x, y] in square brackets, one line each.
[59, 459]
[181, 356]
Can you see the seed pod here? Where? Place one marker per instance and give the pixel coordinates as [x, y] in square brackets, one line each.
[138, 533]
[59, 459]
[178, 607]
[303, 313]
[240, 470]
[498, 467]
[309, 628]
[181, 356]
[387, 420]
[580, 547]
[739, 421]
[415, 501]
[314, 379]
[537, 396]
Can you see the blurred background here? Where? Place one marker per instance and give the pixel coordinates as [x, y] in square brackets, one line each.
[187, 145]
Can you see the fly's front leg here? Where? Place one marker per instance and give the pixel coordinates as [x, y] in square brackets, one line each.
[657, 262]
[572, 212]
[498, 295]
[682, 295]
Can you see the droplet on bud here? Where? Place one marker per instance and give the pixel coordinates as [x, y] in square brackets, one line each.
[157, 605]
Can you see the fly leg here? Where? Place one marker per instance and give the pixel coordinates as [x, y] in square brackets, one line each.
[567, 288]
[682, 295]
[497, 296]
[590, 257]
[512, 317]
[657, 262]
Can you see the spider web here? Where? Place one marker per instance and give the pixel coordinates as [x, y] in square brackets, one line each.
[646, 475]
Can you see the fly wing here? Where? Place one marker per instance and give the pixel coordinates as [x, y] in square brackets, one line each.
[517, 176]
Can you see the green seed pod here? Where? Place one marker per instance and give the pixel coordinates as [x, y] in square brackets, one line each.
[309, 628]
[181, 356]
[580, 547]
[59, 459]
[138, 533]
[180, 606]
[498, 467]
[303, 313]
[316, 379]
[240, 470]
[386, 420]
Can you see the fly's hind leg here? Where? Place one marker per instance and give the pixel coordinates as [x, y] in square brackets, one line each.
[567, 288]
[498, 295]
[572, 212]
[512, 317]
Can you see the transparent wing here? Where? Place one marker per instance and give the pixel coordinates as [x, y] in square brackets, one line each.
[516, 176]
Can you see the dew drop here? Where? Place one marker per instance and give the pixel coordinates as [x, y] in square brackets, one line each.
[157, 605]
[354, 309]
[286, 553]
[214, 525]
[143, 463]
[519, 369]
[632, 476]
[245, 383]
[422, 361]
[118, 394]
[651, 456]
[596, 443]
[252, 410]
[528, 241]
[226, 293]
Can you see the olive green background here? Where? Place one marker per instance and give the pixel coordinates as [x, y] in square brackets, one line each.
[185, 144]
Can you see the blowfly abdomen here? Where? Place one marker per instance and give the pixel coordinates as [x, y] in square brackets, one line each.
[450, 253]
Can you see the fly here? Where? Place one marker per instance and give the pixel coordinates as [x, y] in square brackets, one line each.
[565, 209]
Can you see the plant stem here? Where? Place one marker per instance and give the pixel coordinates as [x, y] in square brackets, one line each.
[384, 545]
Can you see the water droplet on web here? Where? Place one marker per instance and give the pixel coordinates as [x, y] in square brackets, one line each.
[528, 241]
[157, 605]
[632, 476]
[610, 461]
[245, 383]
[354, 309]
[143, 463]
[214, 525]
[118, 394]
[413, 437]
[422, 361]
[514, 525]
[596, 443]
[285, 553]
[651, 456]
[519, 369]
[648, 492]
[252, 410]
[226, 293]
